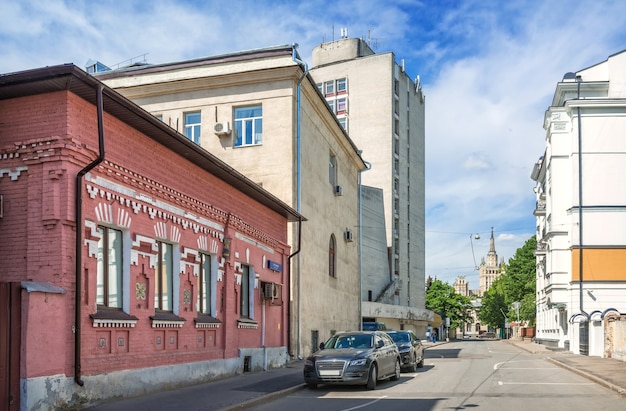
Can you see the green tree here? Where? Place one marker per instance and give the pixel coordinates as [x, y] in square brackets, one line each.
[441, 298]
[517, 284]
[520, 282]
[492, 303]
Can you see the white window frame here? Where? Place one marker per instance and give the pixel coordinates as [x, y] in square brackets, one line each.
[193, 130]
[164, 298]
[104, 280]
[248, 129]
[332, 169]
[207, 285]
[342, 86]
[329, 88]
[246, 299]
[342, 105]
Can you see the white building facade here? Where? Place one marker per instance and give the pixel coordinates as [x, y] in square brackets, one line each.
[581, 212]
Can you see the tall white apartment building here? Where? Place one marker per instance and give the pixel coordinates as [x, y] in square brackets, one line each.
[382, 109]
[581, 212]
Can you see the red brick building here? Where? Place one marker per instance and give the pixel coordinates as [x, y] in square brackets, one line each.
[133, 259]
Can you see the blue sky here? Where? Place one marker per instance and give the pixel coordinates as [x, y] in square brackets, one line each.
[488, 69]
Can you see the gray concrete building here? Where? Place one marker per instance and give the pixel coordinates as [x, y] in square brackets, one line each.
[382, 109]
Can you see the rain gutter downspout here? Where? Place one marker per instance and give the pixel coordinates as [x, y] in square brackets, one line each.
[580, 197]
[79, 239]
[289, 277]
[584, 332]
[305, 69]
[368, 166]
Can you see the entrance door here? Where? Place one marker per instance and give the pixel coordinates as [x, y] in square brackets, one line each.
[10, 327]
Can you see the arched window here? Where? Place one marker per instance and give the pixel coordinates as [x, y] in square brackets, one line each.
[332, 257]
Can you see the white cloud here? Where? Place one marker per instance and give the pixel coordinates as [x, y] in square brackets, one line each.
[485, 118]
[488, 69]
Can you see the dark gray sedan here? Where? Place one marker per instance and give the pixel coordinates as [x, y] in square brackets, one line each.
[354, 358]
[410, 347]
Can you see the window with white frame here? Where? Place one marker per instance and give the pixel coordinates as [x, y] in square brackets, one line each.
[329, 88]
[331, 104]
[332, 169]
[110, 268]
[248, 126]
[344, 122]
[192, 126]
[342, 85]
[247, 295]
[163, 289]
[342, 105]
[205, 281]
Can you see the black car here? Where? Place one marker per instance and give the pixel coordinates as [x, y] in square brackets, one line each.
[410, 347]
[374, 326]
[353, 358]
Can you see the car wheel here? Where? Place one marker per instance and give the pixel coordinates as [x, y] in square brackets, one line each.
[396, 375]
[421, 363]
[372, 377]
[311, 386]
[413, 366]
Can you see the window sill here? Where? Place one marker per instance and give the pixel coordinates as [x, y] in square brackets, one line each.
[206, 321]
[247, 323]
[113, 318]
[166, 320]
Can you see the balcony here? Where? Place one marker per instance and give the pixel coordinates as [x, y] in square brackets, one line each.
[541, 249]
[540, 208]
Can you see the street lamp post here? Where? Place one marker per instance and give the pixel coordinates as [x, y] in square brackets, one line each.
[476, 237]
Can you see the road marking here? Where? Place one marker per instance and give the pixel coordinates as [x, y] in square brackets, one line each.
[531, 368]
[366, 404]
[544, 383]
[499, 364]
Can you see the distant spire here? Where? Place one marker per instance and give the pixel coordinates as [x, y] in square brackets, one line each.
[492, 244]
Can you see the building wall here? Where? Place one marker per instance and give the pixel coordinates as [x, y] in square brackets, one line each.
[385, 118]
[150, 193]
[375, 258]
[320, 304]
[600, 115]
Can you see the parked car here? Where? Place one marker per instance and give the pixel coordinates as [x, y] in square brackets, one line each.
[354, 358]
[374, 326]
[410, 347]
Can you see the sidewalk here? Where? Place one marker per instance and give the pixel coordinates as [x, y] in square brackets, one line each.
[604, 371]
[247, 390]
[234, 393]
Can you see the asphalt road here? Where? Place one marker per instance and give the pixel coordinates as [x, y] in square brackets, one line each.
[482, 375]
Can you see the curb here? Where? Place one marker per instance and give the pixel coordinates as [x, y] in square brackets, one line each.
[620, 390]
[264, 398]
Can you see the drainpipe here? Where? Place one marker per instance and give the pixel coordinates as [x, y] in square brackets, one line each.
[584, 331]
[305, 71]
[296, 252]
[368, 166]
[79, 237]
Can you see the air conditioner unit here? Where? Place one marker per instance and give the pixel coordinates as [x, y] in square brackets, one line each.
[338, 191]
[347, 236]
[268, 291]
[221, 128]
[276, 292]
